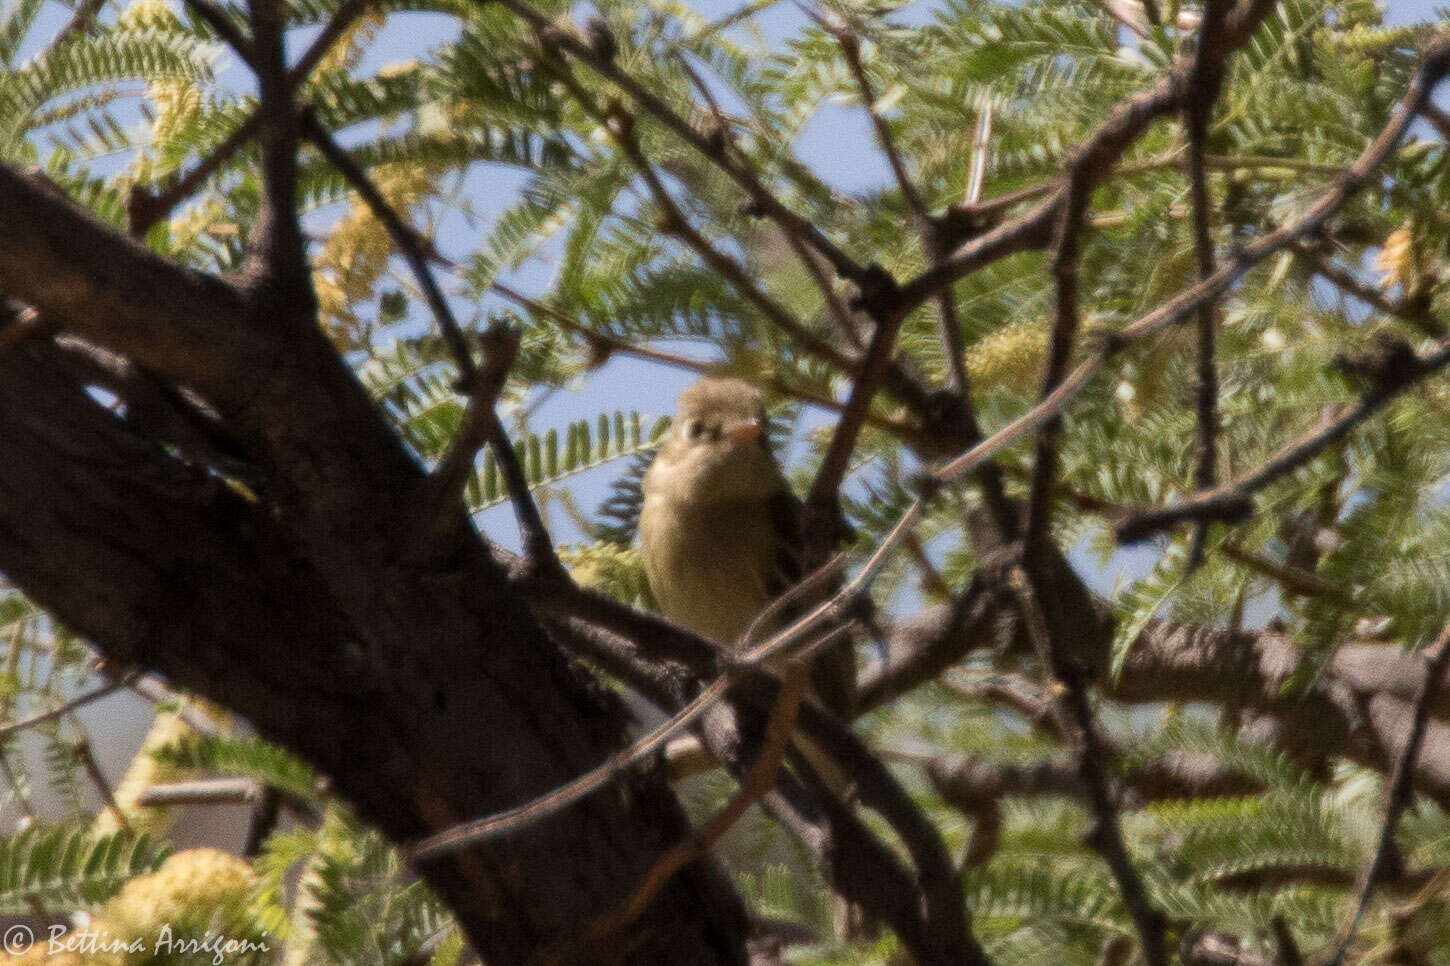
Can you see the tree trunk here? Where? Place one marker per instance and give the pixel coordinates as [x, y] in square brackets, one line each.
[420, 685]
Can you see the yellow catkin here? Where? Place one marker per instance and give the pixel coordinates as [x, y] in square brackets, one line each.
[191, 891]
[176, 102]
[148, 15]
[348, 50]
[356, 252]
[1009, 357]
[1397, 260]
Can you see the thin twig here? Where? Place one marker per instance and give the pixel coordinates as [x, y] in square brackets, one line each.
[1398, 794]
[224, 27]
[1065, 250]
[606, 345]
[931, 578]
[482, 384]
[564, 38]
[1187, 300]
[602, 344]
[207, 791]
[77, 702]
[949, 327]
[1233, 501]
[810, 261]
[1292, 579]
[757, 781]
[1205, 80]
[409, 243]
[675, 223]
[825, 491]
[92, 768]
[1417, 312]
[1092, 755]
[850, 46]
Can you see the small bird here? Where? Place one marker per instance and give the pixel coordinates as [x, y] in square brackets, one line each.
[721, 531]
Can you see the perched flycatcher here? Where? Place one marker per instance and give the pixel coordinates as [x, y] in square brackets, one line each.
[722, 532]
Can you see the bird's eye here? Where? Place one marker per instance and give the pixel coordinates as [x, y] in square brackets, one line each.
[693, 429]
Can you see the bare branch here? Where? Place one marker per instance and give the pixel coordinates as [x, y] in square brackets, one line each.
[1076, 719]
[92, 768]
[482, 384]
[208, 791]
[566, 39]
[79, 701]
[225, 28]
[1204, 81]
[1398, 794]
[758, 780]
[850, 46]
[1350, 182]
[1392, 371]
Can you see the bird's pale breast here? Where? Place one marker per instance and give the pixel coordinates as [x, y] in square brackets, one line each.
[708, 563]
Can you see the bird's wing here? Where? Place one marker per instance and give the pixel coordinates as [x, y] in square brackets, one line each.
[833, 673]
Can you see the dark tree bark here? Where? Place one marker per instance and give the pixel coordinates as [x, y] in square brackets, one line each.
[411, 674]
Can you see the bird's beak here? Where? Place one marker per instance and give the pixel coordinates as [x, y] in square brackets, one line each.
[746, 431]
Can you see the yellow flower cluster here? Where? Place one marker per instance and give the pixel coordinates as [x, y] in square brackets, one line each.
[1011, 356]
[1398, 259]
[191, 891]
[176, 102]
[148, 15]
[355, 255]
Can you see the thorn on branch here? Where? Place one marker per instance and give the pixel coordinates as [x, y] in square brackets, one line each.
[926, 486]
[601, 39]
[1386, 863]
[1388, 368]
[876, 292]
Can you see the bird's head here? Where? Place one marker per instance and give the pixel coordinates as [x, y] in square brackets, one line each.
[716, 450]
